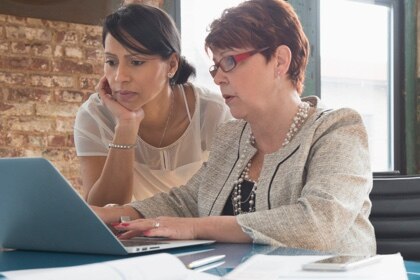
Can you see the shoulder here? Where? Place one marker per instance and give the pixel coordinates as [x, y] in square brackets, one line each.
[226, 137]
[211, 105]
[93, 110]
[208, 97]
[230, 131]
[325, 119]
[93, 103]
[343, 118]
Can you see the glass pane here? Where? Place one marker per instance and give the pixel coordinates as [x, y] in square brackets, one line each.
[356, 67]
[196, 16]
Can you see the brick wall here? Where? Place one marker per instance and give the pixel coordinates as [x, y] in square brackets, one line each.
[47, 70]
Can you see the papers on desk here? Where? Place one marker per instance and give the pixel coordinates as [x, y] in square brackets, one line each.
[271, 267]
[152, 267]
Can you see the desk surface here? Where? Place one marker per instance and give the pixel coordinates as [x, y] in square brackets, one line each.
[235, 254]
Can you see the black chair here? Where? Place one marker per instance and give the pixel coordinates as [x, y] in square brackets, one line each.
[396, 215]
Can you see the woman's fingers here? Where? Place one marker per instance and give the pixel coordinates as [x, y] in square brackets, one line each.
[171, 227]
[140, 227]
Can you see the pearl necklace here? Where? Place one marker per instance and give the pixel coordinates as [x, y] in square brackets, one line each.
[298, 120]
[242, 176]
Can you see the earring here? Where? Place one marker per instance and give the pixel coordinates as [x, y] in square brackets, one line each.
[170, 75]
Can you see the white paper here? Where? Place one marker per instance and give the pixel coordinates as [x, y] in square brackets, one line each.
[272, 267]
[152, 267]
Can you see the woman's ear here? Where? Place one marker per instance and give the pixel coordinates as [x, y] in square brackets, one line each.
[173, 64]
[283, 57]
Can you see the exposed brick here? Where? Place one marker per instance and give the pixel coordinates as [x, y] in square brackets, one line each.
[4, 47]
[27, 94]
[69, 96]
[37, 141]
[28, 33]
[51, 81]
[73, 52]
[98, 68]
[57, 140]
[27, 63]
[21, 48]
[16, 20]
[42, 50]
[3, 18]
[66, 37]
[12, 78]
[25, 109]
[60, 155]
[32, 125]
[57, 110]
[59, 51]
[32, 152]
[2, 32]
[88, 82]
[70, 140]
[92, 40]
[38, 22]
[65, 125]
[69, 66]
[16, 140]
[95, 55]
[11, 152]
[5, 107]
[60, 25]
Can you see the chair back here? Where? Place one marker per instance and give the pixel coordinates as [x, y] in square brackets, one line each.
[396, 215]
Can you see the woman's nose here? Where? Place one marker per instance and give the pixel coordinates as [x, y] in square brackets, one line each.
[122, 74]
[219, 77]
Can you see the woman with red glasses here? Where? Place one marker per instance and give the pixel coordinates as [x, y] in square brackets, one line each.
[288, 171]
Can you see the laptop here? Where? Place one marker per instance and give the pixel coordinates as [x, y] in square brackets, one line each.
[40, 210]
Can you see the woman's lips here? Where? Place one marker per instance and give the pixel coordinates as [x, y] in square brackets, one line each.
[125, 96]
[228, 98]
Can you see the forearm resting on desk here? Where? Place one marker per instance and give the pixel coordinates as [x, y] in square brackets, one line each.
[221, 229]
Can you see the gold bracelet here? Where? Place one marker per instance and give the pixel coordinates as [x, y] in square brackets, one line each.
[121, 146]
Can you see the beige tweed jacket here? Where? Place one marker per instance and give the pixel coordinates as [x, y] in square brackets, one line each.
[313, 193]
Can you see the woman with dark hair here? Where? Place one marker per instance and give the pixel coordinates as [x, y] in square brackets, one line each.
[288, 171]
[147, 129]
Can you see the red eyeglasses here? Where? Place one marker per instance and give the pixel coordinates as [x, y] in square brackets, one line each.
[228, 63]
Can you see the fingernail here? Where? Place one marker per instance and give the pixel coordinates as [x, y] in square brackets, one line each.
[124, 224]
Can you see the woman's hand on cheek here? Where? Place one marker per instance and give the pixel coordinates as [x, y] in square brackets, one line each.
[170, 227]
[121, 113]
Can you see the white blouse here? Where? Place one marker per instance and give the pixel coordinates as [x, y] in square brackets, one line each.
[155, 169]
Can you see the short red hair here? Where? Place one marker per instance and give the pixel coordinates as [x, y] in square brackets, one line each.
[259, 24]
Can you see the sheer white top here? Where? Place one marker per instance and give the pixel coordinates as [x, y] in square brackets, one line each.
[155, 169]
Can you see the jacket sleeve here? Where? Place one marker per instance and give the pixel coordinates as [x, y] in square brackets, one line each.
[179, 202]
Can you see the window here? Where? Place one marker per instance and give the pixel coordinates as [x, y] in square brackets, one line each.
[358, 66]
[196, 16]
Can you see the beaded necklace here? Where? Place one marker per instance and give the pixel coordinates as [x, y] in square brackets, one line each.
[298, 120]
